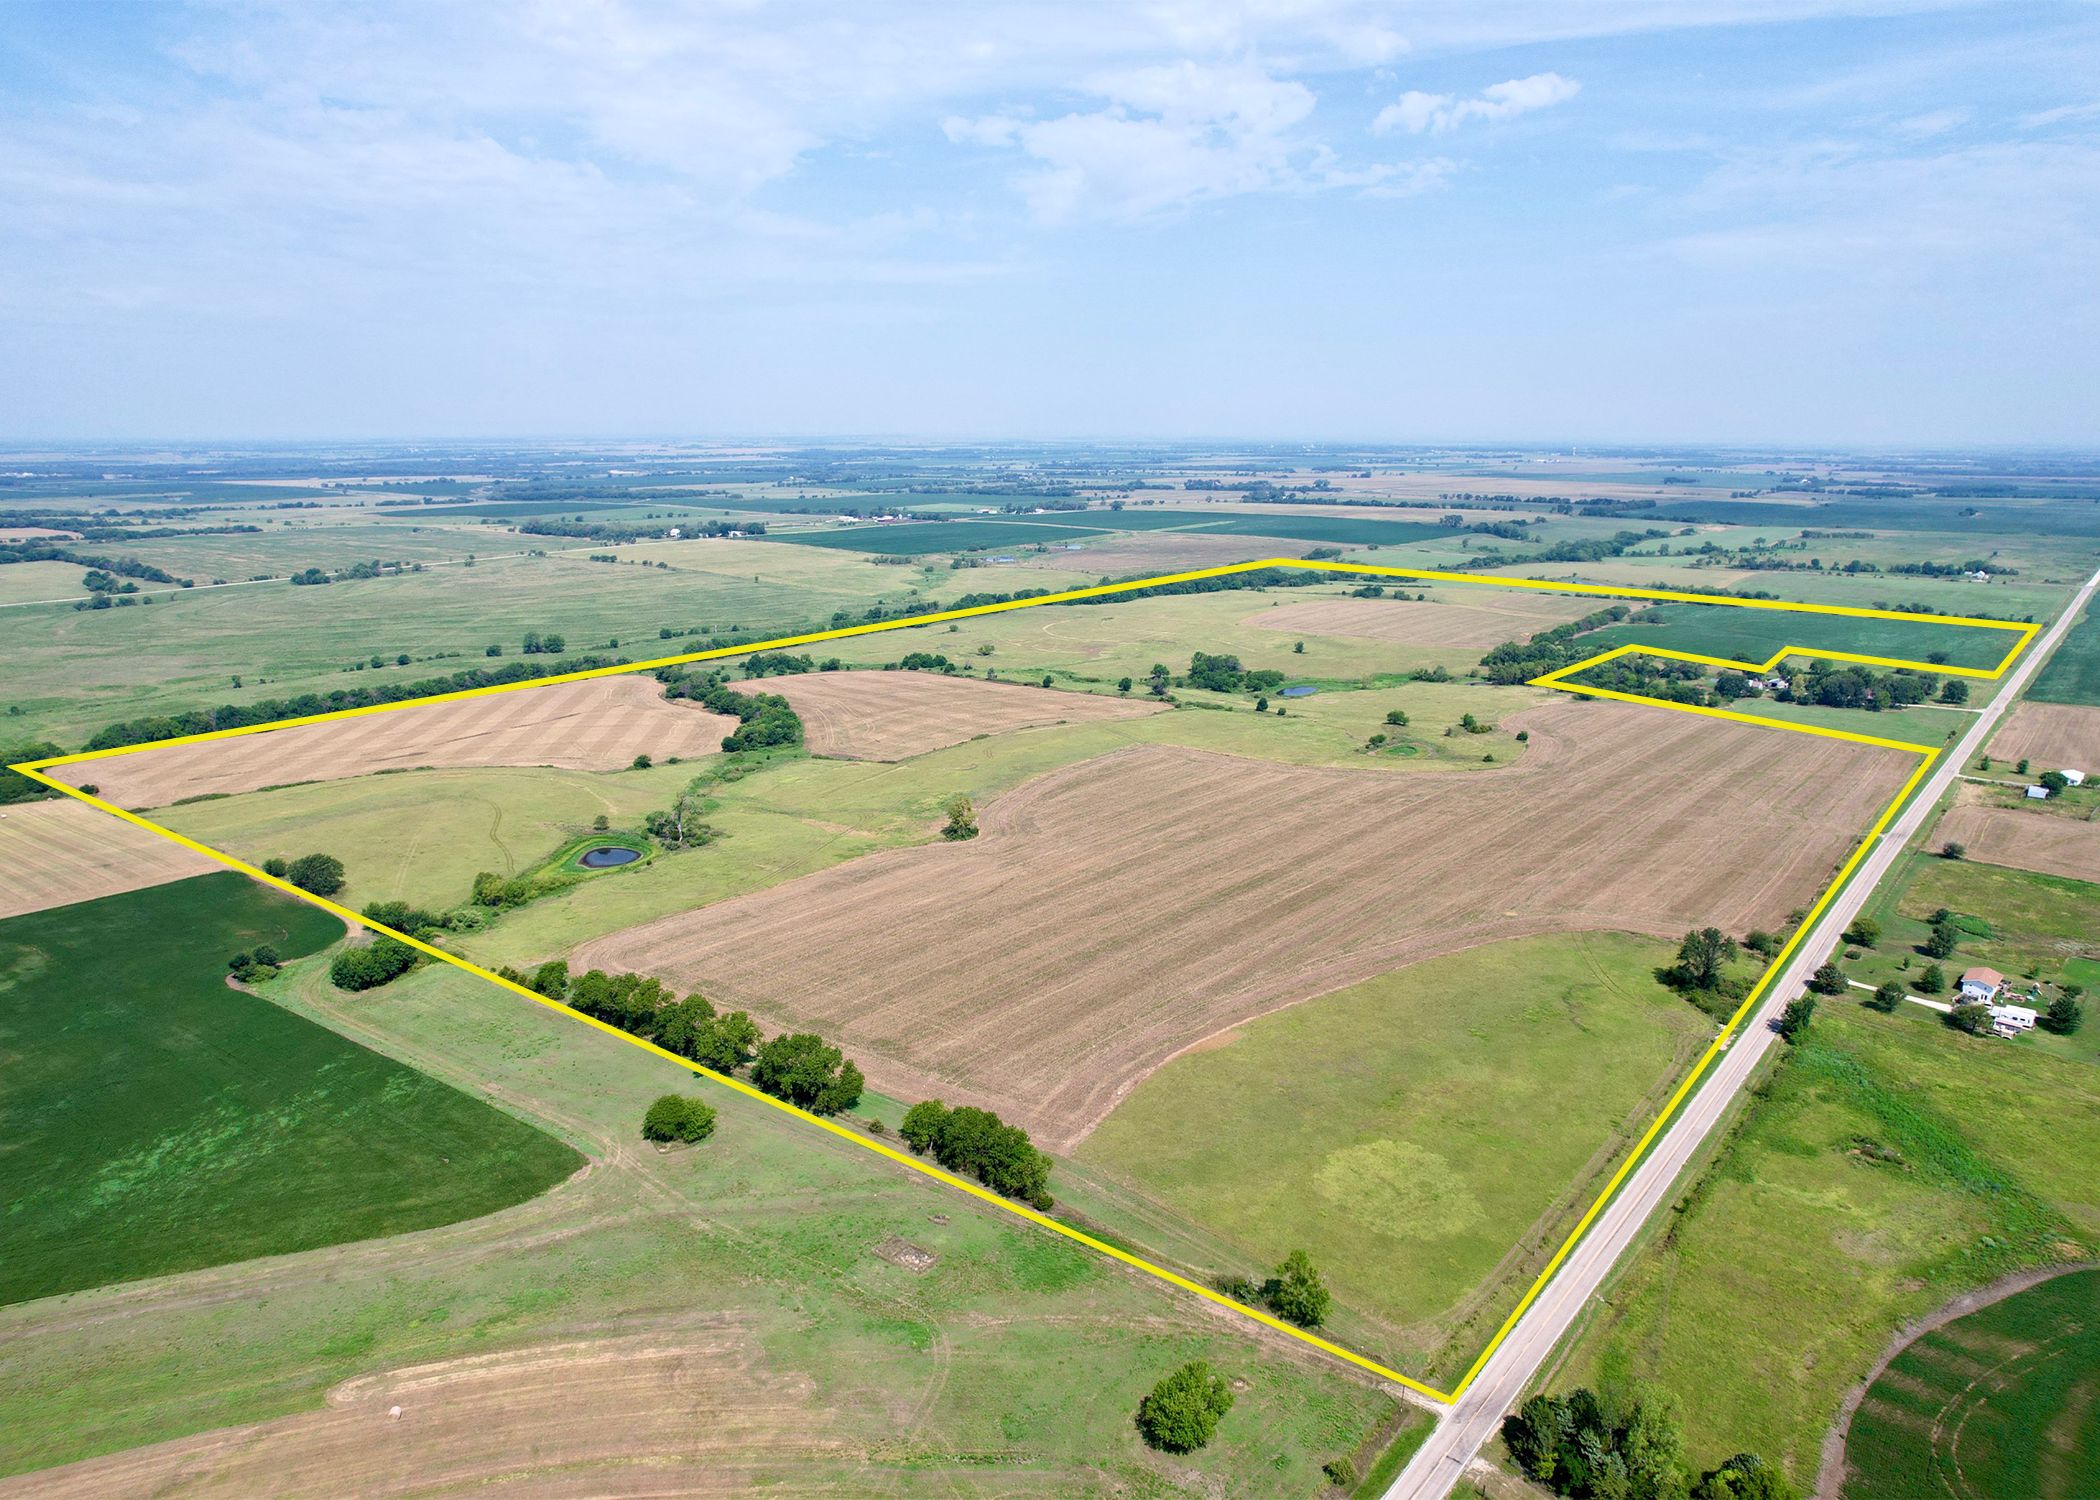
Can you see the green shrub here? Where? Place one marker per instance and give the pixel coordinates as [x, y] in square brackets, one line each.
[675, 1117]
[1181, 1413]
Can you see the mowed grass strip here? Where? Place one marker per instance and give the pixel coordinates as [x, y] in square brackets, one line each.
[2005, 1401]
[160, 1120]
[1408, 1131]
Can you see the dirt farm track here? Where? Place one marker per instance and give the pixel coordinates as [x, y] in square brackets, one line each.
[1120, 910]
[600, 725]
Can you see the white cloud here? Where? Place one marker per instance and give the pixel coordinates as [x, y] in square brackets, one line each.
[1170, 135]
[1438, 114]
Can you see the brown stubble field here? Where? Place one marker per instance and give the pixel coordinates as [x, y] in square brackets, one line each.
[689, 1409]
[1115, 912]
[55, 853]
[599, 725]
[2042, 842]
[1481, 618]
[2052, 737]
[893, 716]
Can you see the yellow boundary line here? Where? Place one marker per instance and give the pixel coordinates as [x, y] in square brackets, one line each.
[1558, 680]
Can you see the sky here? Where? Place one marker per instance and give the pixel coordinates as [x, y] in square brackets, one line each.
[1795, 222]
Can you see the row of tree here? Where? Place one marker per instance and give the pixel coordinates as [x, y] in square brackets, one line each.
[766, 719]
[799, 1067]
[977, 1143]
[1549, 650]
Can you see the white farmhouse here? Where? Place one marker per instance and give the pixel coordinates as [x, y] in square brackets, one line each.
[1980, 986]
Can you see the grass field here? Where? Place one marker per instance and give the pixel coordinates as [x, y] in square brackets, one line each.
[163, 1121]
[2005, 1401]
[1012, 1367]
[1409, 1131]
[2072, 675]
[919, 537]
[422, 836]
[71, 672]
[1885, 1166]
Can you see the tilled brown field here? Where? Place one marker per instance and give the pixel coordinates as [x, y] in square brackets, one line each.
[896, 715]
[2052, 736]
[1117, 911]
[2046, 843]
[1459, 621]
[56, 853]
[600, 725]
[688, 1412]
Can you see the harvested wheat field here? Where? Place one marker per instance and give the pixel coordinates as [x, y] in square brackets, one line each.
[687, 1412]
[2046, 843]
[1117, 911]
[57, 853]
[896, 715]
[2052, 737]
[1510, 615]
[600, 725]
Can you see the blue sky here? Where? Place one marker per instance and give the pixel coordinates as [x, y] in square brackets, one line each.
[1757, 221]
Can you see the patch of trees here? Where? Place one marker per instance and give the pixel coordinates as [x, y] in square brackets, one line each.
[1591, 549]
[1603, 1446]
[781, 664]
[766, 718]
[976, 1142]
[14, 786]
[1224, 674]
[677, 1117]
[922, 661]
[358, 570]
[628, 531]
[1833, 685]
[1547, 651]
[252, 966]
[680, 826]
[1701, 975]
[321, 874]
[128, 567]
[1181, 1413]
[269, 710]
[378, 962]
[807, 1072]
[550, 644]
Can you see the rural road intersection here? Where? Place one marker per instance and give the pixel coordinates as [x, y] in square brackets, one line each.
[1476, 1416]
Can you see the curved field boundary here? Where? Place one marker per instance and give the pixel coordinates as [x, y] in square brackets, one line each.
[37, 770]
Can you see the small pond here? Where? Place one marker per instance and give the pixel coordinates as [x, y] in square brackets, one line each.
[606, 858]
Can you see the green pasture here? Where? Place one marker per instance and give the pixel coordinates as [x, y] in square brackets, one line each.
[422, 836]
[1018, 1356]
[1410, 1130]
[159, 1120]
[1885, 1166]
[2072, 674]
[1753, 635]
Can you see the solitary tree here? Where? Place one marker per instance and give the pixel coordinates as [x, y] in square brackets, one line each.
[674, 1117]
[962, 818]
[2064, 1015]
[1702, 954]
[1954, 849]
[1954, 691]
[1297, 1292]
[1828, 980]
[1182, 1411]
[321, 874]
[1932, 980]
[1941, 942]
[2054, 782]
[1864, 931]
[1886, 997]
[1793, 1021]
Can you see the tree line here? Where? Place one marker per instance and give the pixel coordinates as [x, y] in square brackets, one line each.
[1625, 1446]
[1549, 650]
[766, 719]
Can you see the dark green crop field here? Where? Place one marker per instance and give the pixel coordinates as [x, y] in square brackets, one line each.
[2005, 1401]
[158, 1120]
[1347, 530]
[1752, 635]
[2072, 675]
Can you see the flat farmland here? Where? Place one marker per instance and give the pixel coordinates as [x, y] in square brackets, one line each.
[1120, 910]
[1484, 619]
[2046, 843]
[896, 715]
[2053, 736]
[691, 1406]
[55, 853]
[598, 725]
